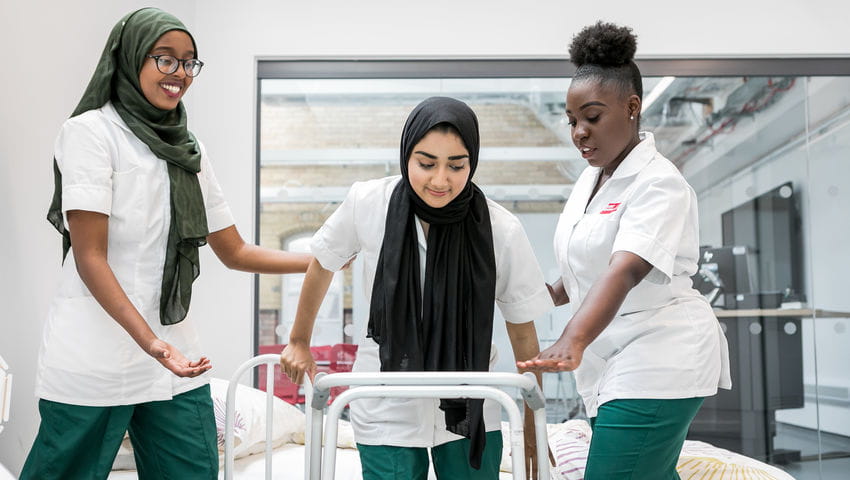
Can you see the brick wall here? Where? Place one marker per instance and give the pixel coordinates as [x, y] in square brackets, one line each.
[295, 125]
[289, 124]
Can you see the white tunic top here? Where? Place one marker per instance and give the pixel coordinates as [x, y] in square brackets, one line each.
[357, 228]
[665, 341]
[86, 358]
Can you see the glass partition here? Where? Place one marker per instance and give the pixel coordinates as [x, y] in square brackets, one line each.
[767, 155]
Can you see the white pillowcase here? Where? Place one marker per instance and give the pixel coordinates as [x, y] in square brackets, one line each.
[249, 422]
[250, 419]
[344, 439]
[572, 429]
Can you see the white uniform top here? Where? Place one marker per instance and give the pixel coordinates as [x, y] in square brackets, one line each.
[665, 341]
[357, 228]
[86, 358]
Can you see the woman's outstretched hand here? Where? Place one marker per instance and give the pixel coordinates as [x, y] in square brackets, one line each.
[562, 356]
[176, 362]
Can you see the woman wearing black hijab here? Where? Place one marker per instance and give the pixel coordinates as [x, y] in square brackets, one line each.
[135, 198]
[438, 254]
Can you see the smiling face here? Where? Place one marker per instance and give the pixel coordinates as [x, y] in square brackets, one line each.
[438, 168]
[164, 91]
[603, 123]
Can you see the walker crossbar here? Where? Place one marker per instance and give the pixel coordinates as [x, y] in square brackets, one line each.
[271, 360]
[423, 385]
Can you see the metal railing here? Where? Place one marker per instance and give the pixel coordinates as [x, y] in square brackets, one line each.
[421, 385]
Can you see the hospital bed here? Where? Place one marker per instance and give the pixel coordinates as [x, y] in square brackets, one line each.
[279, 452]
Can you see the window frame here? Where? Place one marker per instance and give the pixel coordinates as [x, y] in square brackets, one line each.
[268, 68]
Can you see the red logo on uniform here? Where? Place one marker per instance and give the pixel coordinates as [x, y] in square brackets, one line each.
[611, 208]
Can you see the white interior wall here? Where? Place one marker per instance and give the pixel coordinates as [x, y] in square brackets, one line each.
[49, 53]
[52, 47]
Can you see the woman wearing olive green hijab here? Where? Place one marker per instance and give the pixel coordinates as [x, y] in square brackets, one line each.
[135, 197]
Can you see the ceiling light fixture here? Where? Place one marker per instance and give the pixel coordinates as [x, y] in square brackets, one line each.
[656, 92]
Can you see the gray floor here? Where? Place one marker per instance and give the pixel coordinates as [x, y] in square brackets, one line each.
[825, 470]
[823, 457]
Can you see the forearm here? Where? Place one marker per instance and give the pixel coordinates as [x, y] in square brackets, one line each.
[99, 278]
[524, 343]
[236, 254]
[313, 291]
[256, 259]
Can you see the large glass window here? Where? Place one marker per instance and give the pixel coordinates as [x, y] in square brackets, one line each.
[765, 147]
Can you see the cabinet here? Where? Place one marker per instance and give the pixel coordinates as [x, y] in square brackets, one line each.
[766, 361]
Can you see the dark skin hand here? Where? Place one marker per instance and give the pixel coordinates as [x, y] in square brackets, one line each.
[625, 270]
[89, 237]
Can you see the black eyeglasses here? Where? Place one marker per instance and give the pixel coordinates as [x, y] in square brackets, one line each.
[169, 64]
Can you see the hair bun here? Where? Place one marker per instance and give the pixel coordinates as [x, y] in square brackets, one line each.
[603, 44]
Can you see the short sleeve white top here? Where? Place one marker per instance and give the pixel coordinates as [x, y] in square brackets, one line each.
[357, 228]
[665, 341]
[86, 358]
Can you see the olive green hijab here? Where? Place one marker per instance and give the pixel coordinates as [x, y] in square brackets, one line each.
[116, 79]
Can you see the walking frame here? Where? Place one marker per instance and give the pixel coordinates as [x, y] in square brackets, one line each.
[320, 464]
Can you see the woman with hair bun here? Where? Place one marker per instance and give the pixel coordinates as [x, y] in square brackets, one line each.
[645, 346]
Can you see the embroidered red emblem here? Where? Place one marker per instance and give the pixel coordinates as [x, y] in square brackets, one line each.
[611, 208]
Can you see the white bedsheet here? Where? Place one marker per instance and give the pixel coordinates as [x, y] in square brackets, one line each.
[698, 460]
[287, 464]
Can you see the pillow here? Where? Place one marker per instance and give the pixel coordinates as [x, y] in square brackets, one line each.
[703, 460]
[552, 431]
[570, 444]
[344, 438]
[249, 433]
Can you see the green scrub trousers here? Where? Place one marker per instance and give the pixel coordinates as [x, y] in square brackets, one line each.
[451, 461]
[639, 439]
[172, 439]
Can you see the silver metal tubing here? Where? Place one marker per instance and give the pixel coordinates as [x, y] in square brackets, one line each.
[313, 431]
[526, 382]
[429, 391]
[271, 360]
[426, 385]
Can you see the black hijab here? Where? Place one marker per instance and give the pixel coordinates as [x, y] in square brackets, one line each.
[451, 328]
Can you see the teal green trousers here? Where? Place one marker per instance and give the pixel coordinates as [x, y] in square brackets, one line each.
[172, 439]
[451, 461]
[639, 439]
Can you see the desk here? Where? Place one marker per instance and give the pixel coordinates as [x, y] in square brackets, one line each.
[766, 360]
